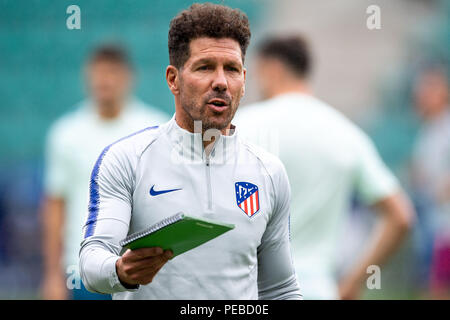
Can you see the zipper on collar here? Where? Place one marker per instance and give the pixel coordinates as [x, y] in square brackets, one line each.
[209, 207]
[208, 177]
[208, 184]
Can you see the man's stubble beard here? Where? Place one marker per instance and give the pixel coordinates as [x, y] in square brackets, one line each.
[189, 106]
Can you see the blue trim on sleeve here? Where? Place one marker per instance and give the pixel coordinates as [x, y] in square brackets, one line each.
[94, 195]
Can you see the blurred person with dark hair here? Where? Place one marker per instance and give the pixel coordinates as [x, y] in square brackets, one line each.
[200, 175]
[73, 144]
[431, 172]
[327, 159]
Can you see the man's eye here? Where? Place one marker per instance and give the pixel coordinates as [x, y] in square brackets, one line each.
[202, 68]
[233, 69]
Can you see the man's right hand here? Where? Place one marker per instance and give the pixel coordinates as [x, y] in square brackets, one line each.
[141, 265]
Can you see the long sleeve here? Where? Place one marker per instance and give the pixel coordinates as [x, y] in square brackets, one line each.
[276, 273]
[108, 221]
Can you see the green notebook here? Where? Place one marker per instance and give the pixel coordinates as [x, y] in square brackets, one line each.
[178, 233]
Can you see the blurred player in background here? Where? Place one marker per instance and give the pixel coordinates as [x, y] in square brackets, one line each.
[327, 159]
[73, 144]
[431, 171]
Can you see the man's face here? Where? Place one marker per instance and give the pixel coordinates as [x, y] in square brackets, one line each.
[431, 93]
[109, 82]
[211, 82]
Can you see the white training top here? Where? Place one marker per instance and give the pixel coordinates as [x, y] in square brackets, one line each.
[158, 172]
[73, 144]
[327, 158]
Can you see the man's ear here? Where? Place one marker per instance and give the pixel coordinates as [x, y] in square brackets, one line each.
[172, 78]
[243, 87]
[130, 78]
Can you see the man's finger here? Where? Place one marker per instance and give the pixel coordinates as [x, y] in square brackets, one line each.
[146, 275]
[150, 262]
[168, 254]
[138, 254]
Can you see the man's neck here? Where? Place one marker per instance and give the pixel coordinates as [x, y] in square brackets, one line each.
[109, 110]
[437, 115]
[289, 87]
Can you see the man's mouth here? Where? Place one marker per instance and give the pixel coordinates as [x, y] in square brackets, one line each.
[217, 104]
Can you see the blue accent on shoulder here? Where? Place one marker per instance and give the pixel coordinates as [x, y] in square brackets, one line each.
[94, 196]
[153, 192]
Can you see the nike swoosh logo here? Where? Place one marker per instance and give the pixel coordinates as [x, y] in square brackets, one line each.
[153, 192]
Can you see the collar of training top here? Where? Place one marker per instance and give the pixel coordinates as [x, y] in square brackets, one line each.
[189, 146]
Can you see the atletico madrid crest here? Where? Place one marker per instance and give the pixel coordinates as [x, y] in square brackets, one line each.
[247, 197]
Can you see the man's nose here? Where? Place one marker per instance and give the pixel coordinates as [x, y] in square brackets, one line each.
[220, 82]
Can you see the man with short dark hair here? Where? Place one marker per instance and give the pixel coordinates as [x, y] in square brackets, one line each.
[73, 144]
[195, 164]
[327, 158]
